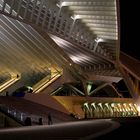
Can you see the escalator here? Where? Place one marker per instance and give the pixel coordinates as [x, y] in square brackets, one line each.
[7, 120]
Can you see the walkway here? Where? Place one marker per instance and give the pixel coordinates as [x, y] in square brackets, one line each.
[80, 130]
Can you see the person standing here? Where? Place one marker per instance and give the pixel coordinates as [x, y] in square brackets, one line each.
[50, 119]
[40, 121]
[27, 121]
[7, 93]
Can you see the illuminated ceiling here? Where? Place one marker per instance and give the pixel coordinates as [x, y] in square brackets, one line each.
[86, 30]
[98, 15]
[22, 49]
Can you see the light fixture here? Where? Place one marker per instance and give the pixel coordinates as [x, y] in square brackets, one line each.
[86, 104]
[99, 40]
[74, 17]
[61, 4]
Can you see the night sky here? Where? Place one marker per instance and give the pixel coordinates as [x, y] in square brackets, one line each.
[130, 36]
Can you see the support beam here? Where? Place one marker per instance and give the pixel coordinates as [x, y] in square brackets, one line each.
[77, 90]
[130, 84]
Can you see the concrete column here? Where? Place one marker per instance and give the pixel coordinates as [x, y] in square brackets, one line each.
[51, 16]
[57, 17]
[61, 23]
[11, 8]
[4, 5]
[84, 83]
[26, 9]
[72, 27]
[33, 9]
[39, 11]
[67, 23]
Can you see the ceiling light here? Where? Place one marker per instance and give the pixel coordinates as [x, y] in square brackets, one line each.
[61, 4]
[75, 17]
[99, 40]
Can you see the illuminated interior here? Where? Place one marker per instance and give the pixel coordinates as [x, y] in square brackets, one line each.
[65, 42]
